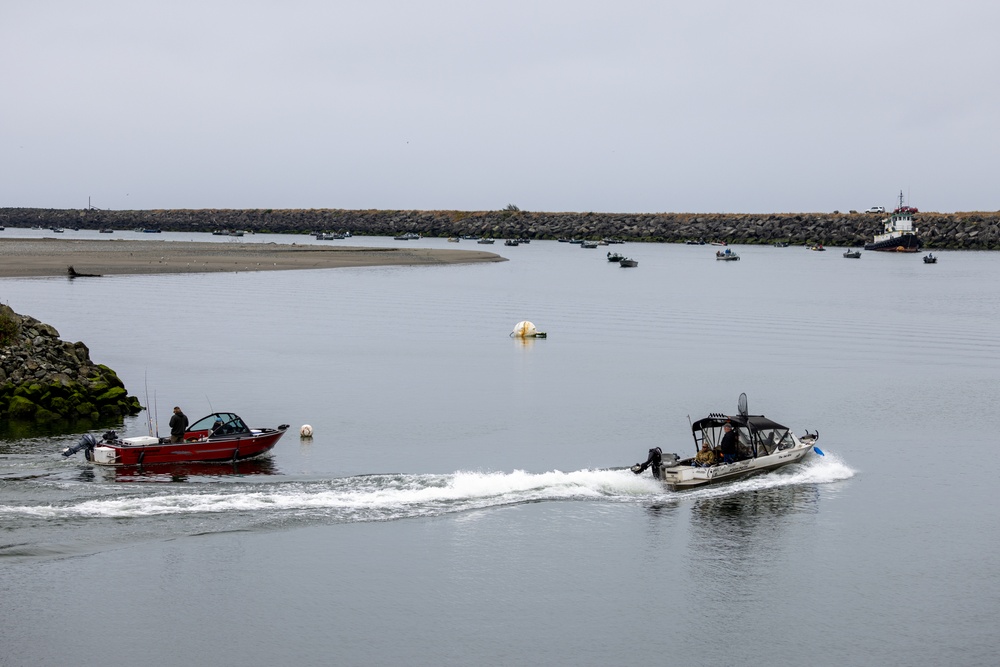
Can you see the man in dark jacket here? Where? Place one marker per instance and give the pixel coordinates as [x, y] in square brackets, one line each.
[728, 444]
[178, 425]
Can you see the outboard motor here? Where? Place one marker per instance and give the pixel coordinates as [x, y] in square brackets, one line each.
[655, 456]
[87, 444]
[670, 460]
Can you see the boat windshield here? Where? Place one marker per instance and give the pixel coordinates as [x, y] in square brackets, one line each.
[220, 423]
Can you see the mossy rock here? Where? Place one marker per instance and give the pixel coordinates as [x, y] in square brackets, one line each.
[21, 408]
[43, 416]
[112, 395]
[110, 376]
[85, 409]
[60, 405]
[33, 392]
[98, 387]
[108, 411]
[61, 385]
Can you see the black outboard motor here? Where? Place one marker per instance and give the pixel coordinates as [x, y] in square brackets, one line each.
[87, 444]
[655, 456]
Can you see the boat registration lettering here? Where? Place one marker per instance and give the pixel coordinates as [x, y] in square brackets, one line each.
[728, 468]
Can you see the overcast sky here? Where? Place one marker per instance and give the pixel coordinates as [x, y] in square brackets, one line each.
[561, 105]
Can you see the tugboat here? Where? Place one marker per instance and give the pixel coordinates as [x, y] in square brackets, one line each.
[898, 233]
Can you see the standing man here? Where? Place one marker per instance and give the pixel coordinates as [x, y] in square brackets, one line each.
[728, 444]
[178, 425]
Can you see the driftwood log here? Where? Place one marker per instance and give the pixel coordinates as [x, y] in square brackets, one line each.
[73, 273]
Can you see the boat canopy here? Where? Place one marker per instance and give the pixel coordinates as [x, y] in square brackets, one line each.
[221, 423]
[758, 435]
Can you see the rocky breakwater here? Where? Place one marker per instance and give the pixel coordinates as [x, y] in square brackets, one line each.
[45, 380]
[963, 230]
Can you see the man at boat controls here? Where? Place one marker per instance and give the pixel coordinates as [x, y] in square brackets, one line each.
[178, 425]
[706, 456]
[728, 444]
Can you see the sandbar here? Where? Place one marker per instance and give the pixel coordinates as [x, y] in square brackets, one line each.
[23, 258]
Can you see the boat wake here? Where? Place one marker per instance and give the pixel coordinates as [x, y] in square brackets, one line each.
[384, 497]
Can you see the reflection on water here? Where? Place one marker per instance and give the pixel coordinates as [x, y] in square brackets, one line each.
[187, 472]
[740, 534]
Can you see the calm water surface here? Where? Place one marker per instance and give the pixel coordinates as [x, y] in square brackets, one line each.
[464, 500]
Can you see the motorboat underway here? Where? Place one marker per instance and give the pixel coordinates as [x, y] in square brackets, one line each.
[221, 436]
[615, 257]
[627, 263]
[929, 258]
[727, 255]
[898, 233]
[737, 446]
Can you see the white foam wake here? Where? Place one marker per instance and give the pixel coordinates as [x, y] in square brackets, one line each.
[383, 497]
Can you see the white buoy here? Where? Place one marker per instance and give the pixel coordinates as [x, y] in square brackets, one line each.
[306, 431]
[526, 329]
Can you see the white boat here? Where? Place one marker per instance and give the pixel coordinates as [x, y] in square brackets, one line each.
[757, 445]
[727, 255]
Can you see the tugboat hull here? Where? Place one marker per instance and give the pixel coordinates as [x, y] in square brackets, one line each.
[904, 243]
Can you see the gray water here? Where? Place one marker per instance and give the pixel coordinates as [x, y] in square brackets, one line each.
[464, 500]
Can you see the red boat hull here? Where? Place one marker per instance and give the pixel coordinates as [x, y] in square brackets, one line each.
[235, 448]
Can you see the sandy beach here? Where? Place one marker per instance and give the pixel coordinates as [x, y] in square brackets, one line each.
[21, 258]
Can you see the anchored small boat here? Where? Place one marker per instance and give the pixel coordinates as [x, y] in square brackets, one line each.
[627, 263]
[727, 255]
[221, 436]
[929, 258]
[615, 257]
[734, 446]
[852, 254]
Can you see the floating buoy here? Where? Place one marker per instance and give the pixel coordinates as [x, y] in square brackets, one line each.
[526, 329]
[306, 431]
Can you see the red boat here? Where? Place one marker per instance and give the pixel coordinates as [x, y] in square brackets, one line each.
[221, 436]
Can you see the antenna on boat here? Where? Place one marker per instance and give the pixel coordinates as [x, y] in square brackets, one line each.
[156, 417]
[210, 408]
[145, 382]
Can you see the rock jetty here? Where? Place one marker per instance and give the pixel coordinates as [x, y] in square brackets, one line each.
[45, 380]
[970, 230]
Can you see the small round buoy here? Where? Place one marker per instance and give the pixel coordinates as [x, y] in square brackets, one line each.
[306, 431]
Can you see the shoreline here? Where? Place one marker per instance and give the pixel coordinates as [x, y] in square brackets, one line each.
[27, 258]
